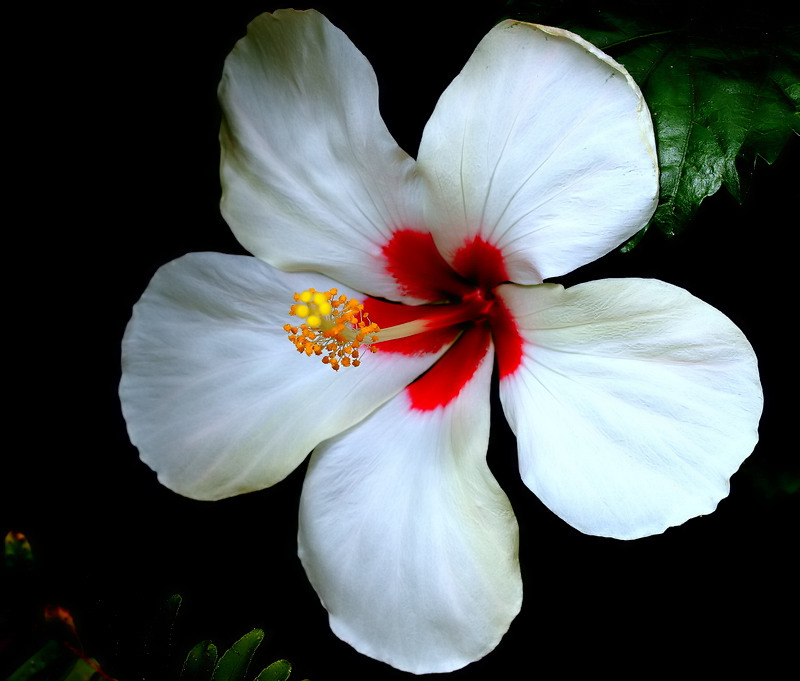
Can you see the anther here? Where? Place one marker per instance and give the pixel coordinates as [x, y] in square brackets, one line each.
[335, 327]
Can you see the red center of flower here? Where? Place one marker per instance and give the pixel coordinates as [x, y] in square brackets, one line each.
[464, 307]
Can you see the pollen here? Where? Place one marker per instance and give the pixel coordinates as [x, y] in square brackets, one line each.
[334, 327]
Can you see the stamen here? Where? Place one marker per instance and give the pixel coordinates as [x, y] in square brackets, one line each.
[334, 329]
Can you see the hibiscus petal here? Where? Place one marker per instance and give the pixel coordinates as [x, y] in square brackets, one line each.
[216, 397]
[633, 406]
[407, 537]
[543, 147]
[312, 179]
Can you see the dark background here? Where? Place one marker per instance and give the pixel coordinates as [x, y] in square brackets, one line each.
[112, 141]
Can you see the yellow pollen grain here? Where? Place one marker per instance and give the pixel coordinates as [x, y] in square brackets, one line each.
[334, 327]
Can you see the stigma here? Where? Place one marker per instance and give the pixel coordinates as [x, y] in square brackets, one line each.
[334, 327]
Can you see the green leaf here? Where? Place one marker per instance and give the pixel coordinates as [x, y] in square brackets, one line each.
[83, 670]
[236, 660]
[277, 671]
[722, 90]
[200, 662]
[52, 657]
[689, 154]
[17, 551]
[159, 637]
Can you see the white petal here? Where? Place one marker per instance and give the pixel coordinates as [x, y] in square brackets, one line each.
[633, 406]
[312, 179]
[407, 537]
[543, 146]
[216, 397]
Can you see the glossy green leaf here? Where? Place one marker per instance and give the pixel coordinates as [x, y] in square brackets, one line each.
[277, 671]
[690, 156]
[234, 663]
[200, 662]
[722, 90]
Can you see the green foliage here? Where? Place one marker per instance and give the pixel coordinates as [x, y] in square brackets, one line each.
[59, 655]
[50, 657]
[17, 551]
[234, 663]
[723, 88]
[277, 671]
[201, 662]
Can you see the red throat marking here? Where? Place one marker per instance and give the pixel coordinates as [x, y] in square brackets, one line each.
[421, 271]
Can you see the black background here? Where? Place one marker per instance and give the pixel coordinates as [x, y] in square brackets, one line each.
[112, 141]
